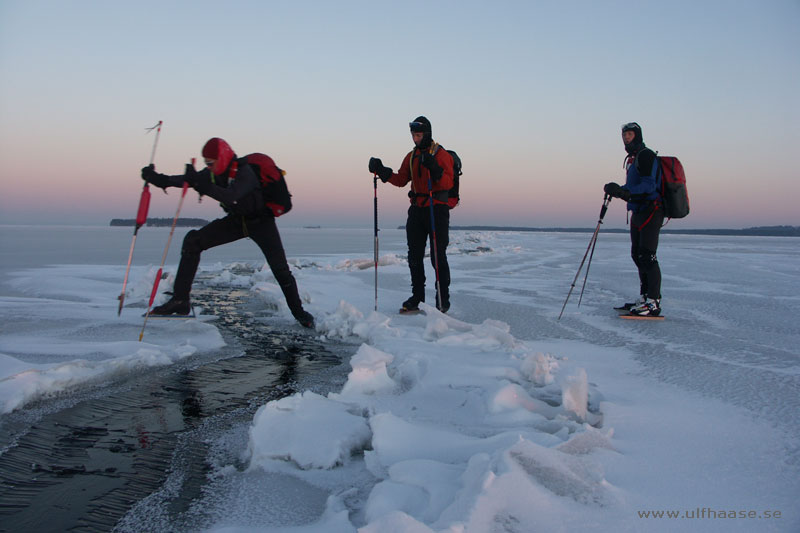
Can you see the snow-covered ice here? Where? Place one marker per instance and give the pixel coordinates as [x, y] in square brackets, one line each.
[494, 417]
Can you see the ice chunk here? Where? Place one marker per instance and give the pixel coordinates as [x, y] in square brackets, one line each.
[369, 374]
[575, 394]
[290, 429]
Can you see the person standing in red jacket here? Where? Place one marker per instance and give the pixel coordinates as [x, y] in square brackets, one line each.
[429, 168]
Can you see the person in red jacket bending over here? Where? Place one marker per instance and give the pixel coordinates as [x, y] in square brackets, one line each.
[236, 185]
[429, 168]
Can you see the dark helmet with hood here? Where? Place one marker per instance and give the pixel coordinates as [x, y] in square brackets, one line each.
[422, 125]
[638, 141]
[221, 152]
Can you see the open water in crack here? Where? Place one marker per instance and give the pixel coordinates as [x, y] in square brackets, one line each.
[82, 461]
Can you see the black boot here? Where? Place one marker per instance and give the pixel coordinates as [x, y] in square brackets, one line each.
[305, 318]
[173, 306]
[443, 305]
[412, 304]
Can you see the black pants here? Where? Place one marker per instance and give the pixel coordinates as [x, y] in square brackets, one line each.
[232, 228]
[645, 228]
[418, 233]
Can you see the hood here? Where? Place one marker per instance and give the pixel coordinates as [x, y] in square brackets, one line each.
[221, 151]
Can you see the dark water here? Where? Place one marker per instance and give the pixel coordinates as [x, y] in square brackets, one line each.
[81, 461]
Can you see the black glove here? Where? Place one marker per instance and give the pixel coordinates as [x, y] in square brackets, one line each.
[150, 175]
[376, 167]
[428, 161]
[190, 174]
[616, 191]
[385, 174]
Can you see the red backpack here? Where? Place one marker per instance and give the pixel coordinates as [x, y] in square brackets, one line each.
[273, 184]
[673, 187]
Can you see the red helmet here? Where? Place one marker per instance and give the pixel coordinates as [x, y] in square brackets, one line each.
[221, 152]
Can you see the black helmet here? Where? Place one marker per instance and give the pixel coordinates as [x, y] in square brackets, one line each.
[422, 125]
[638, 141]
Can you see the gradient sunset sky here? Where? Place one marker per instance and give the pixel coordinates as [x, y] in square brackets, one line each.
[531, 94]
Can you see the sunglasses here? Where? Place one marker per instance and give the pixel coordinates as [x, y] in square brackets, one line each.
[210, 162]
[631, 126]
[417, 126]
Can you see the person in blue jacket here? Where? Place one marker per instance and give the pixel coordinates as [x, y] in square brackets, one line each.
[642, 192]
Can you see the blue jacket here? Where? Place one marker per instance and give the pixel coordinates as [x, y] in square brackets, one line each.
[642, 182]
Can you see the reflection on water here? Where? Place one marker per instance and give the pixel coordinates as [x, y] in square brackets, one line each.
[82, 465]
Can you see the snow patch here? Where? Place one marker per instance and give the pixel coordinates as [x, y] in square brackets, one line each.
[288, 429]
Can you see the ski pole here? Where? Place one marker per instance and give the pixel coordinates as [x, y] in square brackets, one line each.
[586, 275]
[141, 216]
[435, 248]
[589, 264]
[592, 242]
[375, 187]
[164, 257]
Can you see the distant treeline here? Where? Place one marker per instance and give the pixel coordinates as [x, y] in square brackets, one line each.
[182, 222]
[763, 231]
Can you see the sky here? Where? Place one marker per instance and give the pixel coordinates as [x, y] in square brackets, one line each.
[531, 95]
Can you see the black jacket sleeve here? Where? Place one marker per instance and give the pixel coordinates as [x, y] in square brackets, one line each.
[644, 162]
[244, 185]
[164, 181]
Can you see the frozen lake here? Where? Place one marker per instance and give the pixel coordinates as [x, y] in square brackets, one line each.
[700, 411]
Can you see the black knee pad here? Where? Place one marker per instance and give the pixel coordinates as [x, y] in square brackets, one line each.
[191, 243]
[646, 259]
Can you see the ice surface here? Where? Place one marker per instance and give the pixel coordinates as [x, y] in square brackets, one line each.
[494, 417]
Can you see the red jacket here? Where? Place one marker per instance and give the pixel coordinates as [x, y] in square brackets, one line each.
[418, 175]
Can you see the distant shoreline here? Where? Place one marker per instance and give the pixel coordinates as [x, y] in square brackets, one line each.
[759, 231]
[160, 222]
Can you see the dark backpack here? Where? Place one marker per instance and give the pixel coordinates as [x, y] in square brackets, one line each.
[273, 184]
[453, 197]
[673, 187]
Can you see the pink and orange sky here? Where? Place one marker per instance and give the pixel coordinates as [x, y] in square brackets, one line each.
[530, 94]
